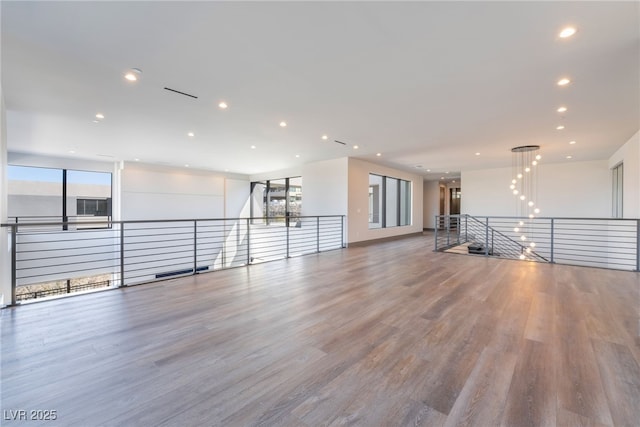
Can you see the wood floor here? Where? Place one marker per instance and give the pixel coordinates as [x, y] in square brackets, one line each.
[390, 334]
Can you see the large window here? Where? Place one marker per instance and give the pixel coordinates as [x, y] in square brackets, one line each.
[276, 201]
[389, 202]
[44, 194]
[617, 181]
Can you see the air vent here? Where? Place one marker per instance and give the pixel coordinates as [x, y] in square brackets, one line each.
[180, 93]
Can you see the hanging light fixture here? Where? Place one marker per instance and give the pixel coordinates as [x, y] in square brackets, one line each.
[524, 187]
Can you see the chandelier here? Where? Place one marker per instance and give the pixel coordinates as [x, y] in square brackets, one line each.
[524, 186]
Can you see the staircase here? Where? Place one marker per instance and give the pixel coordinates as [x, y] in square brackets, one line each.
[481, 239]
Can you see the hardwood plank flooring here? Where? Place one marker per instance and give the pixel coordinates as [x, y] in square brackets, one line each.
[390, 334]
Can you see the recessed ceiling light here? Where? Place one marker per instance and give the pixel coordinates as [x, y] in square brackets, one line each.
[222, 105]
[477, 154]
[560, 127]
[562, 109]
[297, 156]
[569, 157]
[567, 32]
[133, 74]
[283, 124]
[428, 170]
[378, 154]
[324, 137]
[96, 121]
[572, 142]
[447, 172]
[564, 81]
[99, 116]
[355, 147]
[191, 134]
[136, 160]
[253, 147]
[442, 177]
[72, 151]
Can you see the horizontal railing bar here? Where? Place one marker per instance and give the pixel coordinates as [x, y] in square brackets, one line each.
[19, 260]
[155, 221]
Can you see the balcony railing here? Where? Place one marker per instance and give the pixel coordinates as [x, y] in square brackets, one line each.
[127, 253]
[593, 242]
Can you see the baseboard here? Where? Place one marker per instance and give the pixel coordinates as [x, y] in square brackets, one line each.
[384, 239]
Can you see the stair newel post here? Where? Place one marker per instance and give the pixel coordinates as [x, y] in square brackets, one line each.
[436, 232]
[486, 237]
[466, 228]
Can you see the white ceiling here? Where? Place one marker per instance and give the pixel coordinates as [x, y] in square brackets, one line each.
[423, 83]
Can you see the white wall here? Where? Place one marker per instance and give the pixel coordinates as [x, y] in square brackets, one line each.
[431, 203]
[236, 195]
[150, 192]
[629, 155]
[5, 274]
[575, 189]
[324, 187]
[358, 209]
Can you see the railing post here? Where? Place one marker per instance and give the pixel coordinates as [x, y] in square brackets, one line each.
[435, 235]
[486, 238]
[286, 225]
[195, 246]
[248, 241]
[122, 254]
[637, 244]
[552, 233]
[318, 234]
[14, 236]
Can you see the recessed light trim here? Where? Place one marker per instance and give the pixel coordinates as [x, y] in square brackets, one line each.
[355, 147]
[253, 147]
[100, 116]
[222, 105]
[283, 124]
[563, 81]
[569, 157]
[560, 127]
[191, 134]
[561, 109]
[378, 154]
[325, 137]
[133, 74]
[567, 32]
[477, 154]
[571, 142]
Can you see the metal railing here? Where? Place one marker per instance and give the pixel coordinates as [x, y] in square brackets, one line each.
[593, 242]
[134, 252]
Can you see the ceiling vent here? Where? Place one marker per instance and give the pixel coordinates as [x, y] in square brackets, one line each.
[180, 93]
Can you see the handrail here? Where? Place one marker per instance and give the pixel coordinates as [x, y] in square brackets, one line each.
[130, 252]
[597, 242]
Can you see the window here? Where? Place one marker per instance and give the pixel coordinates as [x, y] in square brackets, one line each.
[93, 207]
[617, 180]
[43, 194]
[276, 201]
[389, 202]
